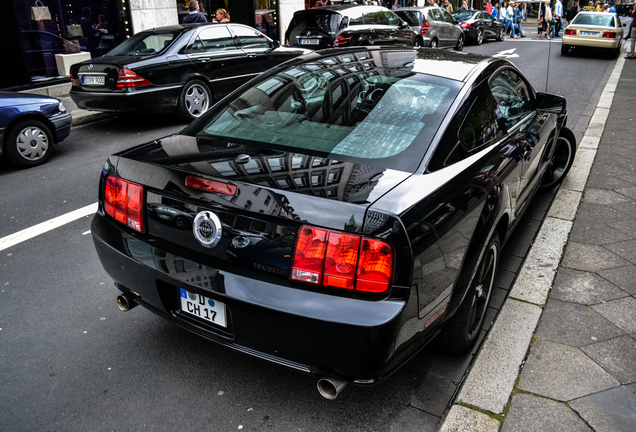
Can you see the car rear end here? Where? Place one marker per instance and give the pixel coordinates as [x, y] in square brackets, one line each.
[132, 77]
[316, 28]
[594, 30]
[416, 19]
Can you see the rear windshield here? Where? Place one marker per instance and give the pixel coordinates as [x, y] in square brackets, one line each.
[143, 44]
[366, 107]
[462, 16]
[411, 17]
[324, 20]
[594, 19]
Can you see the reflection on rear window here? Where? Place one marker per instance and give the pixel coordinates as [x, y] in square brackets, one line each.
[143, 44]
[594, 19]
[360, 109]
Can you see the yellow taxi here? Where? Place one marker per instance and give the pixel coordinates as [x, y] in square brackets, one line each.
[593, 30]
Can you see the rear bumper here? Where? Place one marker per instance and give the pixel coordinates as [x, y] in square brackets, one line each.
[319, 334]
[575, 41]
[150, 100]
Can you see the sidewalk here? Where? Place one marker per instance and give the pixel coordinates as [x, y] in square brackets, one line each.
[562, 354]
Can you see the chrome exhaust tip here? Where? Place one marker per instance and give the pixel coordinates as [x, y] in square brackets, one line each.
[330, 387]
[125, 302]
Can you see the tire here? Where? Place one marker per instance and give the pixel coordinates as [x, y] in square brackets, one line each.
[463, 329]
[501, 34]
[195, 99]
[29, 143]
[560, 162]
[460, 43]
[417, 43]
[480, 37]
[565, 49]
[434, 44]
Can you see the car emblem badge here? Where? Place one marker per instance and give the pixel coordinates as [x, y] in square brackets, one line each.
[90, 66]
[207, 229]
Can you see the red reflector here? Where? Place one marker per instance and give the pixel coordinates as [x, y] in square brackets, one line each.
[128, 78]
[341, 260]
[124, 202]
[210, 185]
[425, 28]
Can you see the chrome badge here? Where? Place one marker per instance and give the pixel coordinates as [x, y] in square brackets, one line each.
[207, 229]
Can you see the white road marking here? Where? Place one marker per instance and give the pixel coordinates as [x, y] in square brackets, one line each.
[41, 228]
[507, 54]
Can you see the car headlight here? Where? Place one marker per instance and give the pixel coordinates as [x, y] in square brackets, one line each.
[61, 107]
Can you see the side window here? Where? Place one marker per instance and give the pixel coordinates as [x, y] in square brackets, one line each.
[250, 38]
[512, 96]
[392, 18]
[435, 14]
[213, 39]
[376, 17]
[355, 16]
[474, 126]
[447, 17]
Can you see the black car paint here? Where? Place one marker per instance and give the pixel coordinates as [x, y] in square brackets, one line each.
[438, 220]
[170, 70]
[480, 21]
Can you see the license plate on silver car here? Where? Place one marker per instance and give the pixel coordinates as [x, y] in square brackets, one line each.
[309, 41]
[93, 80]
[203, 307]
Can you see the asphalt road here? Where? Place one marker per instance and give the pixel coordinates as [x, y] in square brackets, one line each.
[70, 360]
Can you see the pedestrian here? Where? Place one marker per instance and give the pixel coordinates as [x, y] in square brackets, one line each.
[632, 53]
[448, 6]
[519, 19]
[509, 20]
[495, 11]
[464, 5]
[222, 16]
[558, 15]
[572, 12]
[195, 15]
[489, 7]
[546, 17]
[502, 13]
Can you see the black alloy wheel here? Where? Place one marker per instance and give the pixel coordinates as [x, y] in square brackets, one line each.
[462, 331]
[29, 143]
[480, 37]
[417, 43]
[501, 35]
[560, 162]
[460, 43]
[195, 99]
[434, 44]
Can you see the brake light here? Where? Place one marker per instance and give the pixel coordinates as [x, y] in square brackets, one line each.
[128, 78]
[465, 25]
[341, 260]
[123, 201]
[210, 185]
[425, 28]
[570, 32]
[609, 35]
[73, 82]
[342, 40]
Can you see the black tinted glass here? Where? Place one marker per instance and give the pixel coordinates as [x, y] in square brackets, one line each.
[143, 44]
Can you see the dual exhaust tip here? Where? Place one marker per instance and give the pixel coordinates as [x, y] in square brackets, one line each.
[328, 387]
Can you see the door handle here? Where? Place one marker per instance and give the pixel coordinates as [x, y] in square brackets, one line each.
[204, 60]
[251, 55]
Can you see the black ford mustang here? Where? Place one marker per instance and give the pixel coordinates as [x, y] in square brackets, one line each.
[181, 68]
[342, 209]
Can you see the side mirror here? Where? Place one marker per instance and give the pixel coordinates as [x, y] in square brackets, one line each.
[275, 43]
[551, 103]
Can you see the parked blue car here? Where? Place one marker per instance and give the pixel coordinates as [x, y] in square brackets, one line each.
[29, 126]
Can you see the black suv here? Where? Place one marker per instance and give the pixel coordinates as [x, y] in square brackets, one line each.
[349, 25]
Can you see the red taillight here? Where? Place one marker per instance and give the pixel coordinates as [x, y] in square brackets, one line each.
[128, 78]
[465, 25]
[570, 32]
[609, 35]
[342, 40]
[211, 185]
[341, 260]
[73, 82]
[425, 28]
[123, 201]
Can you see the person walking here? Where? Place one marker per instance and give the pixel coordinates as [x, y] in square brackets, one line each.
[489, 7]
[222, 16]
[509, 20]
[632, 52]
[558, 17]
[546, 17]
[519, 18]
[495, 11]
[195, 15]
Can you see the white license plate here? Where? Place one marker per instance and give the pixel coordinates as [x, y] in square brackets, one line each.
[584, 33]
[309, 41]
[203, 307]
[94, 80]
